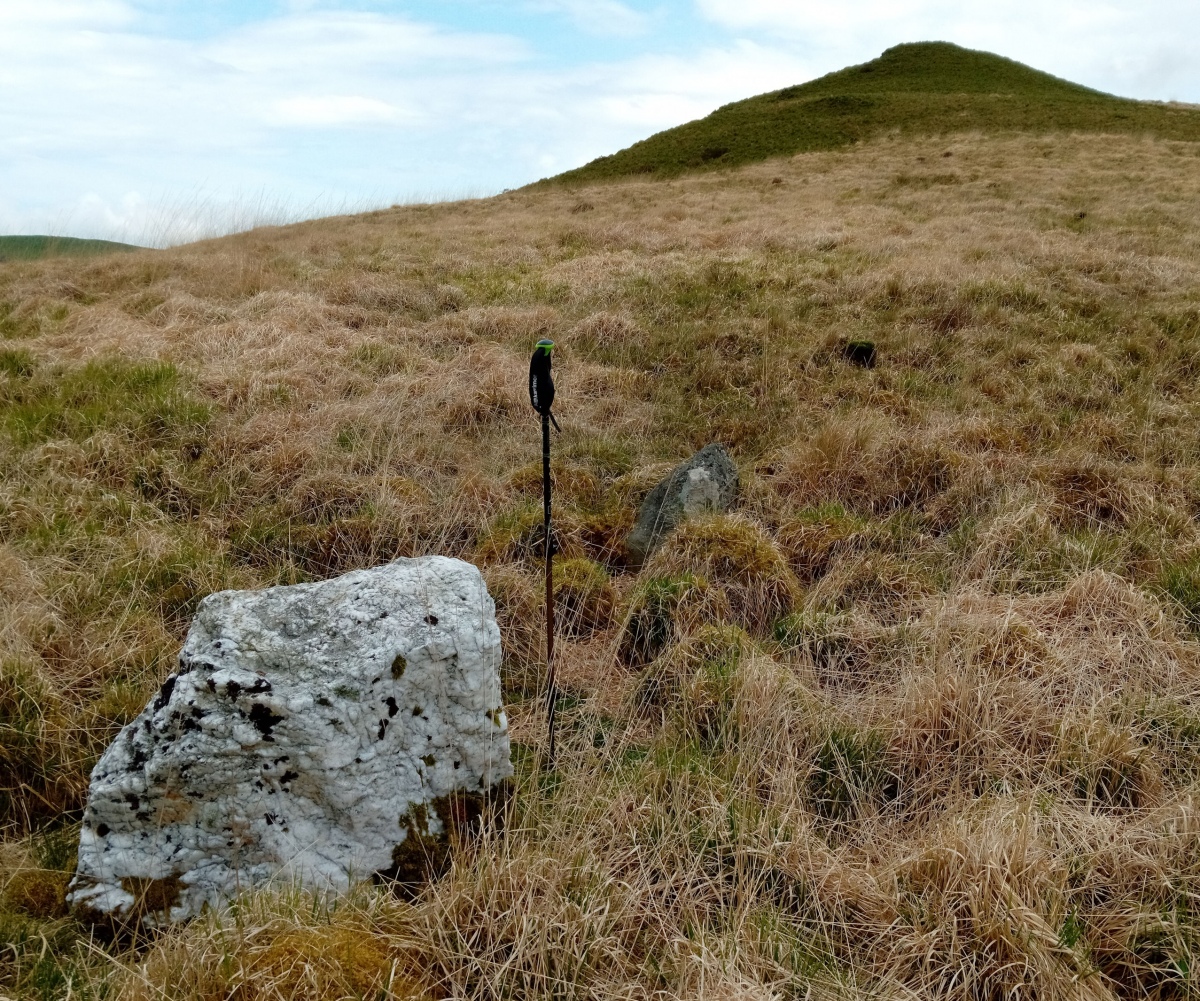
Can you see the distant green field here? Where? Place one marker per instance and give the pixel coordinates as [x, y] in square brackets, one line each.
[924, 88]
[30, 248]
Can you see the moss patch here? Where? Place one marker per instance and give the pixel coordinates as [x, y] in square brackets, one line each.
[425, 854]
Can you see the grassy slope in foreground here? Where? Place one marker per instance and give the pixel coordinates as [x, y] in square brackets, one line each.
[920, 719]
[31, 248]
[924, 88]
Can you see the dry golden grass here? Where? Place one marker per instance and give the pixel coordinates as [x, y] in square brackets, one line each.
[921, 718]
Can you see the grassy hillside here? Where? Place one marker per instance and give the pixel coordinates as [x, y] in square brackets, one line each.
[926, 88]
[30, 248]
[920, 718]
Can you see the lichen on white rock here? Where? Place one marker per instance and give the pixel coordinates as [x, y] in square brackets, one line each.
[309, 732]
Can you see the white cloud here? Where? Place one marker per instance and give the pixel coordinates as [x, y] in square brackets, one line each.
[599, 17]
[18, 14]
[352, 41]
[68, 86]
[333, 111]
[1012, 17]
[807, 15]
[656, 91]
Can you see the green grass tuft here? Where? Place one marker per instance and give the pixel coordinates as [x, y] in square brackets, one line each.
[653, 607]
[1181, 582]
[849, 770]
[143, 400]
[18, 364]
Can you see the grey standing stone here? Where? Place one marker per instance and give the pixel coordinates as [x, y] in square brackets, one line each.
[708, 481]
[315, 734]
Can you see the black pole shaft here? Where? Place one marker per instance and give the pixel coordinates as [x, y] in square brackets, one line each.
[548, 541]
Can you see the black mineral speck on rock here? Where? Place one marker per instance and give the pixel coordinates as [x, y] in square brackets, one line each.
[289, 777]
[232, 689]
[431, 619]
[103, 830]
[383, 725]
[164, 693]
[264, 719]
[390, 702]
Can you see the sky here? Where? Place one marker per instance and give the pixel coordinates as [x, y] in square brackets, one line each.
[160, 121]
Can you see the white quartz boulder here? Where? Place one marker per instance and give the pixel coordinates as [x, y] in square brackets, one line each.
[318, 734]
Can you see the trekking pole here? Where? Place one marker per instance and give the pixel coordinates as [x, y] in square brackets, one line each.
[541, 396]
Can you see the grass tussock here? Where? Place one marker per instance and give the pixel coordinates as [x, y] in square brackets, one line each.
[919, 718]
[742, 565]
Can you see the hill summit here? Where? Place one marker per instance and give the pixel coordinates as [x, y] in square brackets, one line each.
[921, 88]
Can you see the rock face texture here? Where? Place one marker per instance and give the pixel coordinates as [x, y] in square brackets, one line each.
[317, 734]
[708, 481]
